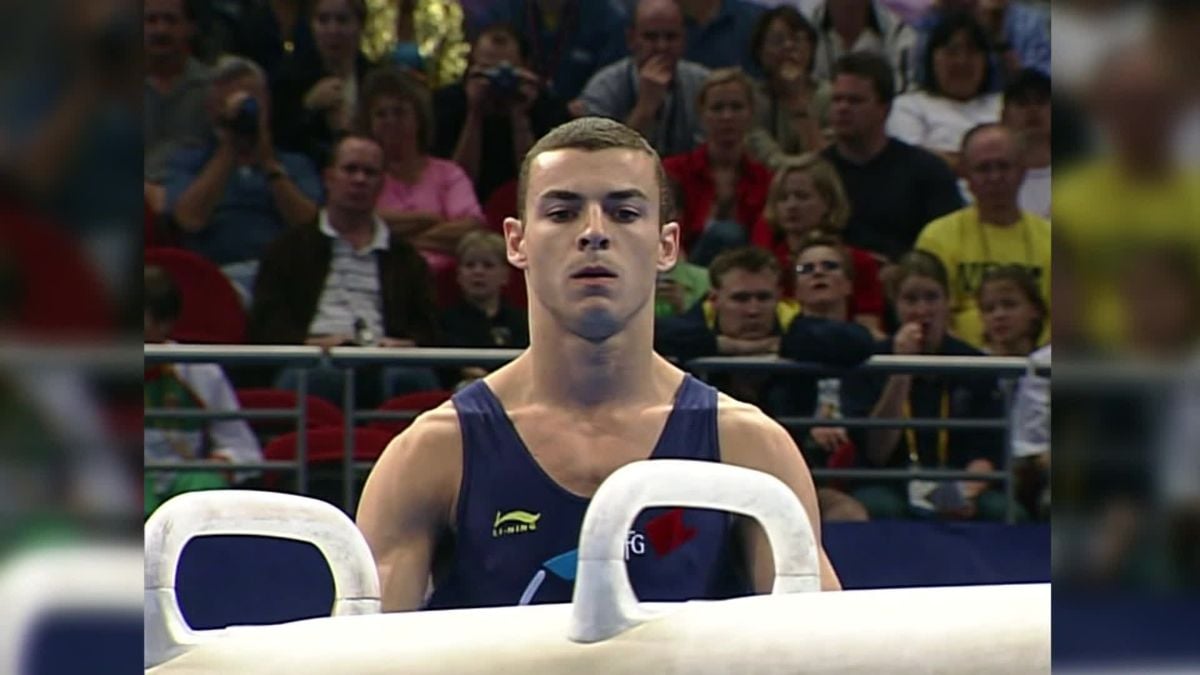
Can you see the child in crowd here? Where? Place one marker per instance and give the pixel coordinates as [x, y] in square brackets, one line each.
[1013, 310]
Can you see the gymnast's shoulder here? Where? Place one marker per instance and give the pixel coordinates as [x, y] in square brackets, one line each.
[425, 458]
[749, 437]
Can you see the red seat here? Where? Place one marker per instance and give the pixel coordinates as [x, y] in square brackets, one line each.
[52, 286]
[212, 311]
[327, 445]
[318, 413]
[417, 401]
[501, 204]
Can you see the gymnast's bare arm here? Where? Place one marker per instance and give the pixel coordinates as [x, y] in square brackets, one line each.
[408, 503]
[751, 439]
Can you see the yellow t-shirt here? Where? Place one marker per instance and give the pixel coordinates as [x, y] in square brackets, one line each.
[1102, 215]
[968, 248]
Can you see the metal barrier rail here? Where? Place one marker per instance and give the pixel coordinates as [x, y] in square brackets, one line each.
[351, 358]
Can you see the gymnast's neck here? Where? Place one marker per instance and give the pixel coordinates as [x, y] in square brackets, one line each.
[600, 370]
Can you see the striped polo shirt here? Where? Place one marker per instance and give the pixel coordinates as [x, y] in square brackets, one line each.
[352, 287]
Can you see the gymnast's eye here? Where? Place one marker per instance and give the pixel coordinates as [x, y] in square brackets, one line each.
[627, 214]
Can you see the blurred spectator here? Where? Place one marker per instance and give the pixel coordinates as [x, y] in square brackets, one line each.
[825, 280]
[806, 199]
[718, 32]
[186, 386]
[1139, 194]
[992, 231]
[424, 37]
[724, 189]
[954, 95]
[345, 280]
[428, 201]
[569, 40]
[315, 101]
[894, 188]
[791, 106]
[483, 318]
[918, 286]
[489, 120]
[1027, 113]
[652, 90]
[236, 193]
[1017, 31]
[275, 34]
[1013, 311]
[1087, 33]
[1159, 287]
[848, 26]
[173, 109]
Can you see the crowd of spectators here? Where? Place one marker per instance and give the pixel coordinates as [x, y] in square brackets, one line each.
[851, 177]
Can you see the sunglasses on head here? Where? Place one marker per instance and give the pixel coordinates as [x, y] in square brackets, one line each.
[825, 265]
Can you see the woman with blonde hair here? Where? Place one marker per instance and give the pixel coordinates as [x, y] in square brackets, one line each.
[723, 185]
[806, 199]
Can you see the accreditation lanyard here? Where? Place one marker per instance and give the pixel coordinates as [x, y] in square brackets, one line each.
[943, 434]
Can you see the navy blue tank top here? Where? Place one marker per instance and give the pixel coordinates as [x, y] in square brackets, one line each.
[518, 530]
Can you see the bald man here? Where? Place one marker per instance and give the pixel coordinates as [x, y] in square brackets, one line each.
[653, 90]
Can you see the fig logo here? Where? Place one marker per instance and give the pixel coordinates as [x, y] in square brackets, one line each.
[515, 522]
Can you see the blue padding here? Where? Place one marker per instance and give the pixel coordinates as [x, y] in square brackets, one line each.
[236, 580]
[88, 642]
[1135, 630]
[886, 554]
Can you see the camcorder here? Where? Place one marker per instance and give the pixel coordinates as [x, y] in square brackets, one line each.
[503, 81]
[244, 123]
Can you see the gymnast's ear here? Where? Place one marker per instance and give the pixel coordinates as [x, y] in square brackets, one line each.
[668, 246]
[514, 242]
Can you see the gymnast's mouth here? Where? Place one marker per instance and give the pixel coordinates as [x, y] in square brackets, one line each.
[594, 272]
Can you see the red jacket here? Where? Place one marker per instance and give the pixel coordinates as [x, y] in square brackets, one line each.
[867, 297]
[691, 170]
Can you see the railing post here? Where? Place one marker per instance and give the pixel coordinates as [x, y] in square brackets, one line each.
[348, 473]
[1010, 482]
[302, 432]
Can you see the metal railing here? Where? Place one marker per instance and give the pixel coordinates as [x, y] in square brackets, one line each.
[352, 358]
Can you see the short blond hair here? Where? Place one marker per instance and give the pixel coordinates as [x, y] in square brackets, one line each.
[722, 76]
[482, 240]
[826, 182]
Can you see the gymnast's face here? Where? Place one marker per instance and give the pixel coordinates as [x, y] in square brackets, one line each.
[591, 244]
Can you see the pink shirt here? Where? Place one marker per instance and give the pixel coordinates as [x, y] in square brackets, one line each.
[443, 188]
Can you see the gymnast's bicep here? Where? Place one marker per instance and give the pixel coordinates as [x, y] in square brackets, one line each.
[405, 505]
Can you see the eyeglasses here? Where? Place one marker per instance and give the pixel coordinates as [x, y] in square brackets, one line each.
[747, 296]
[825, 265]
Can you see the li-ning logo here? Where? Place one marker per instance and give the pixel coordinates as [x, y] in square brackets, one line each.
[515, 522]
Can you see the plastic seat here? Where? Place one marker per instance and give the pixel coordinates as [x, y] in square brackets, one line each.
[319, 412]
[417, 401]
[246, 512]
[327, 445]
[212, 310]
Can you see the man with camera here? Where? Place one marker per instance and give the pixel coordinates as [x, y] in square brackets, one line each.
[234, 195]
[489, 120]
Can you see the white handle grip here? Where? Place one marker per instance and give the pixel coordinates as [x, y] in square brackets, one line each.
[246, 512]
[604, 603]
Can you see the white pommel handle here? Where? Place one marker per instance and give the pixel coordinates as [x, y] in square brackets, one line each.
[604, 603]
